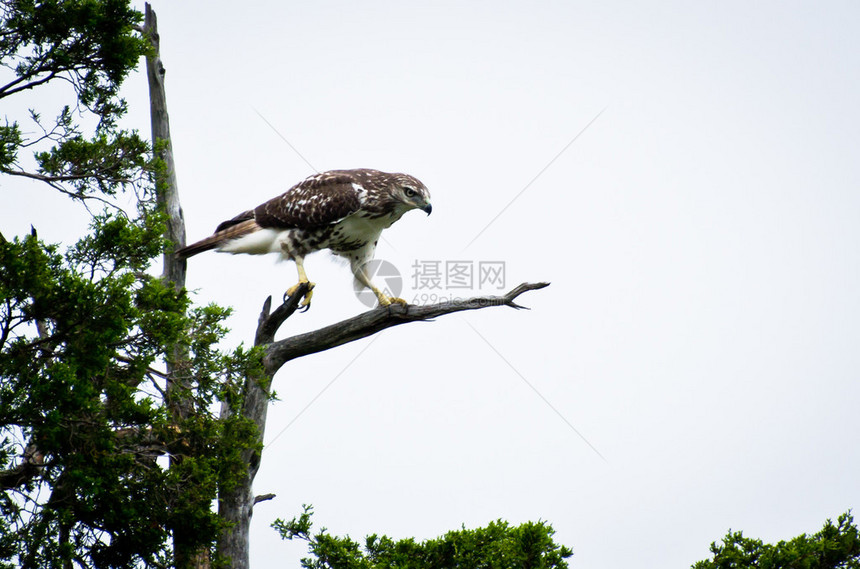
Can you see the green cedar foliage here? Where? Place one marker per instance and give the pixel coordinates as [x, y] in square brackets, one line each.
[90, 46]
[85, 429]
[497, 546]
[836, 546]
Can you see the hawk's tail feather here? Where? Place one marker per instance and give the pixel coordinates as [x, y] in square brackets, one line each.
[219, 238]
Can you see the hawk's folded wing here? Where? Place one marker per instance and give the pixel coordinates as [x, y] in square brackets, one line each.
[318, 200]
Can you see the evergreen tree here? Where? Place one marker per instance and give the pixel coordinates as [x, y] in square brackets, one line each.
[84, 326]
[497, 546]
[836, 546]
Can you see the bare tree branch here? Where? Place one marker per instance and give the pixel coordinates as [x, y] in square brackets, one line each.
[269, 322]
[54, 182]
[263, 498]
[68, 178]
[8, 89]
[366, 324]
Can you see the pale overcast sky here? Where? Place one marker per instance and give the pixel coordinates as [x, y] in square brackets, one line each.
[702, 237]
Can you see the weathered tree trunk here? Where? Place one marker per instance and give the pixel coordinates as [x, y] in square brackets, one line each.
[168, 188]
[187, 555]
[236, 504]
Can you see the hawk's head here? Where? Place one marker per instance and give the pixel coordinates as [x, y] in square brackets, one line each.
[409, 191]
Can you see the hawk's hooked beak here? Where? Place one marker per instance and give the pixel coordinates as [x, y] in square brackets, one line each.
[427, 209]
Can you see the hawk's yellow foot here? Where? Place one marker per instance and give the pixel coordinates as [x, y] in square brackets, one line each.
[307, 300]
[385, 300]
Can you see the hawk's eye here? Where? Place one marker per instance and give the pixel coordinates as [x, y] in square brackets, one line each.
[409, 192]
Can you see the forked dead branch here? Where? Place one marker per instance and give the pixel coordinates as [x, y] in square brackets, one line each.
[277, 353]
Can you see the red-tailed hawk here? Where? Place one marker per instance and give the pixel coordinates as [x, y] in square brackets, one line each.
[344, 211]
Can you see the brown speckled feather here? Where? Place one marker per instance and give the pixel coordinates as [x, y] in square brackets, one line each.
[319, 200]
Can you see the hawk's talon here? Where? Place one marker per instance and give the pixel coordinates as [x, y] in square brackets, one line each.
[306, 302]
[385, 300]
